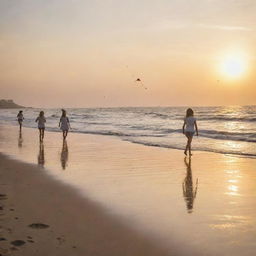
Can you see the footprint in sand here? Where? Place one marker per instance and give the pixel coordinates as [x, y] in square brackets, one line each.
[18, 242]
[3, 252]
[3, 196]
[38, 226]
[61, 240]
[13, 248]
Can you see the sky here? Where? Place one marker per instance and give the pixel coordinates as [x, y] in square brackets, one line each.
[89, 53]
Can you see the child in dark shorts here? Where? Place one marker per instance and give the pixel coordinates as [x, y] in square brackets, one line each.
[189, 128]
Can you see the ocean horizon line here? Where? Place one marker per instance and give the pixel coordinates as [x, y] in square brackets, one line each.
[124, 107]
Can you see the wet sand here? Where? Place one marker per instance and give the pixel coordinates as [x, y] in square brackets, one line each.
[102, 196]
[40, 216]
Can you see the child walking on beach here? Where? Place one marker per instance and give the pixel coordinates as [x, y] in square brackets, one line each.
[20, 118]
[41, 125]
[64, 124]
[189, 129]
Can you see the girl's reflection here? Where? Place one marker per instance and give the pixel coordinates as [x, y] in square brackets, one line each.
[40, 157]
[64, 155]
[20, 140]
[189, 192]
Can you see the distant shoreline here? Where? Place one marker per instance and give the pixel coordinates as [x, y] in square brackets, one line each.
[9, 104]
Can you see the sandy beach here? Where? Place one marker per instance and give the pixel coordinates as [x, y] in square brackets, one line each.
[97, 195]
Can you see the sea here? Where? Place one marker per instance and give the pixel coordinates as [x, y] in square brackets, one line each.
[223, 129]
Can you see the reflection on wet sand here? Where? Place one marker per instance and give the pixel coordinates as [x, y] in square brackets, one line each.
[189, 192]
[64, 155]
[40, 158]
[20, 140]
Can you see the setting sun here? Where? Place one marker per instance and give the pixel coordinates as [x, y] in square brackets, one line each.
[233, 66]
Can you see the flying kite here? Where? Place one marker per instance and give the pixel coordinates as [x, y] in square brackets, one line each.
[138, 80]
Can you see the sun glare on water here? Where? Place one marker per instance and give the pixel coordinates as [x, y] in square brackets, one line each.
[233, 66]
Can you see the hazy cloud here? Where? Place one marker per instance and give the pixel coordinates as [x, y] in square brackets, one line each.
[224, 27]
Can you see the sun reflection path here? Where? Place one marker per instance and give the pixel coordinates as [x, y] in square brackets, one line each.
[233, 144]
[233, 178]
[233, 190]
[231, 221]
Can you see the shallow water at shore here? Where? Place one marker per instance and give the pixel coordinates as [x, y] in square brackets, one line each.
[205, 204]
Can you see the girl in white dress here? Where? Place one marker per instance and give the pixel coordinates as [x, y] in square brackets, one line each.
[20, 118]
[64, 124]
[41, 125]
[188, 128]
